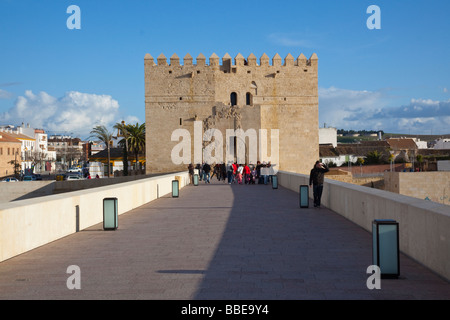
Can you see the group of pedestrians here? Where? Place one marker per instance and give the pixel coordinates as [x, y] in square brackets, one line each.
[251, 174]
[232, 173]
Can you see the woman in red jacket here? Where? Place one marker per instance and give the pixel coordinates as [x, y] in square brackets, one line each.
[246, 174]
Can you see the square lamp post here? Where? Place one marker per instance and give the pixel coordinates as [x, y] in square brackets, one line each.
[195, 179]
[110, 214]
[274, 182]
[175, 188]
[385, 247]
[304, 196]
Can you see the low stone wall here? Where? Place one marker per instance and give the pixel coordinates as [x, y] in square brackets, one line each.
[373, 182]
[424, 225]
[28, 224]
[13, 191]
[432, 185]
[10, 191]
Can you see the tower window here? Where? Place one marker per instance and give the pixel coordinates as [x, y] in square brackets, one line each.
[233, 98]
[248, 99]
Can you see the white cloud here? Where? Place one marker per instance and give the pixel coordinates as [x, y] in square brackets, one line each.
[5, 94]
[337, 107]
[75, 112]
[350, 109]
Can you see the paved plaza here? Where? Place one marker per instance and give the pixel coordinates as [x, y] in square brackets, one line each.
[217, 241]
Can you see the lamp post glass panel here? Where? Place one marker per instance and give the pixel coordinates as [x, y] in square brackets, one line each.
[110, 214]
[385, 244]
[175, 189]
[304, 196]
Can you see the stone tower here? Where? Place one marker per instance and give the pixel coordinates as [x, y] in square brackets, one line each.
[281, 97]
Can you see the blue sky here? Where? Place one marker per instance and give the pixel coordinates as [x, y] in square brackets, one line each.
[395, 79]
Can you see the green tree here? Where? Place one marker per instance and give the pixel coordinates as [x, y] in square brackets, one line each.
[101, 133]
[136, 139]
[373, 157]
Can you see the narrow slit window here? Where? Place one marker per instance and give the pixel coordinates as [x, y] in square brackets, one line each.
[248, 99]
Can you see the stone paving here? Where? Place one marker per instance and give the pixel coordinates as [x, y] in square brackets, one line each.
[217, 242]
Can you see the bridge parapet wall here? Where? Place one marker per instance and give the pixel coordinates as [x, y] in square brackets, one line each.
[28, 224]
[424, 226]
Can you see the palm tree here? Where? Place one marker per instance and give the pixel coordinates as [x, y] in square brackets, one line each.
[101, 133]
[123, 131]
[136, 139]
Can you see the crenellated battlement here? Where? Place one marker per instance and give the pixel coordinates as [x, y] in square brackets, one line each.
[228, 61]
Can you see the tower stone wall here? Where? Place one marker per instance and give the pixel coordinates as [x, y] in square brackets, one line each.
[234, 94]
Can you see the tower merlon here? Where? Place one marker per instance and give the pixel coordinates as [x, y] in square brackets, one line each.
[174, 60]
[214, 60]
[188, 60]
[239, 60]
[148, 60]
[313, 60]
[252, 60]
[201, 60]
[162, 60]
[276, 60]
[289, 60]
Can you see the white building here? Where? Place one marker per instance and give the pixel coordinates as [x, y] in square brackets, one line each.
[442, 144]
[420, 144]
[34, 149]
[328, 136]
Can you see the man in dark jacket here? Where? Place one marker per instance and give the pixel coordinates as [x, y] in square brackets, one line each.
[316, 179]
[206, 171]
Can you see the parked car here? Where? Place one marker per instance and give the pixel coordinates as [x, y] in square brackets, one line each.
[10, 180]
[37, 176]
[74, 170]
[73, 177]
[29, 178]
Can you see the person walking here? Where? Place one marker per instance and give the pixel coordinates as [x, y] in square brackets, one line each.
[235, 167]
[191, 173]
[239, 174]
[253, 175]
[258, 172]
[206, 172]
[230, 172]
[316, 179]
[223, 171]
[246, 174]
[200, 173]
